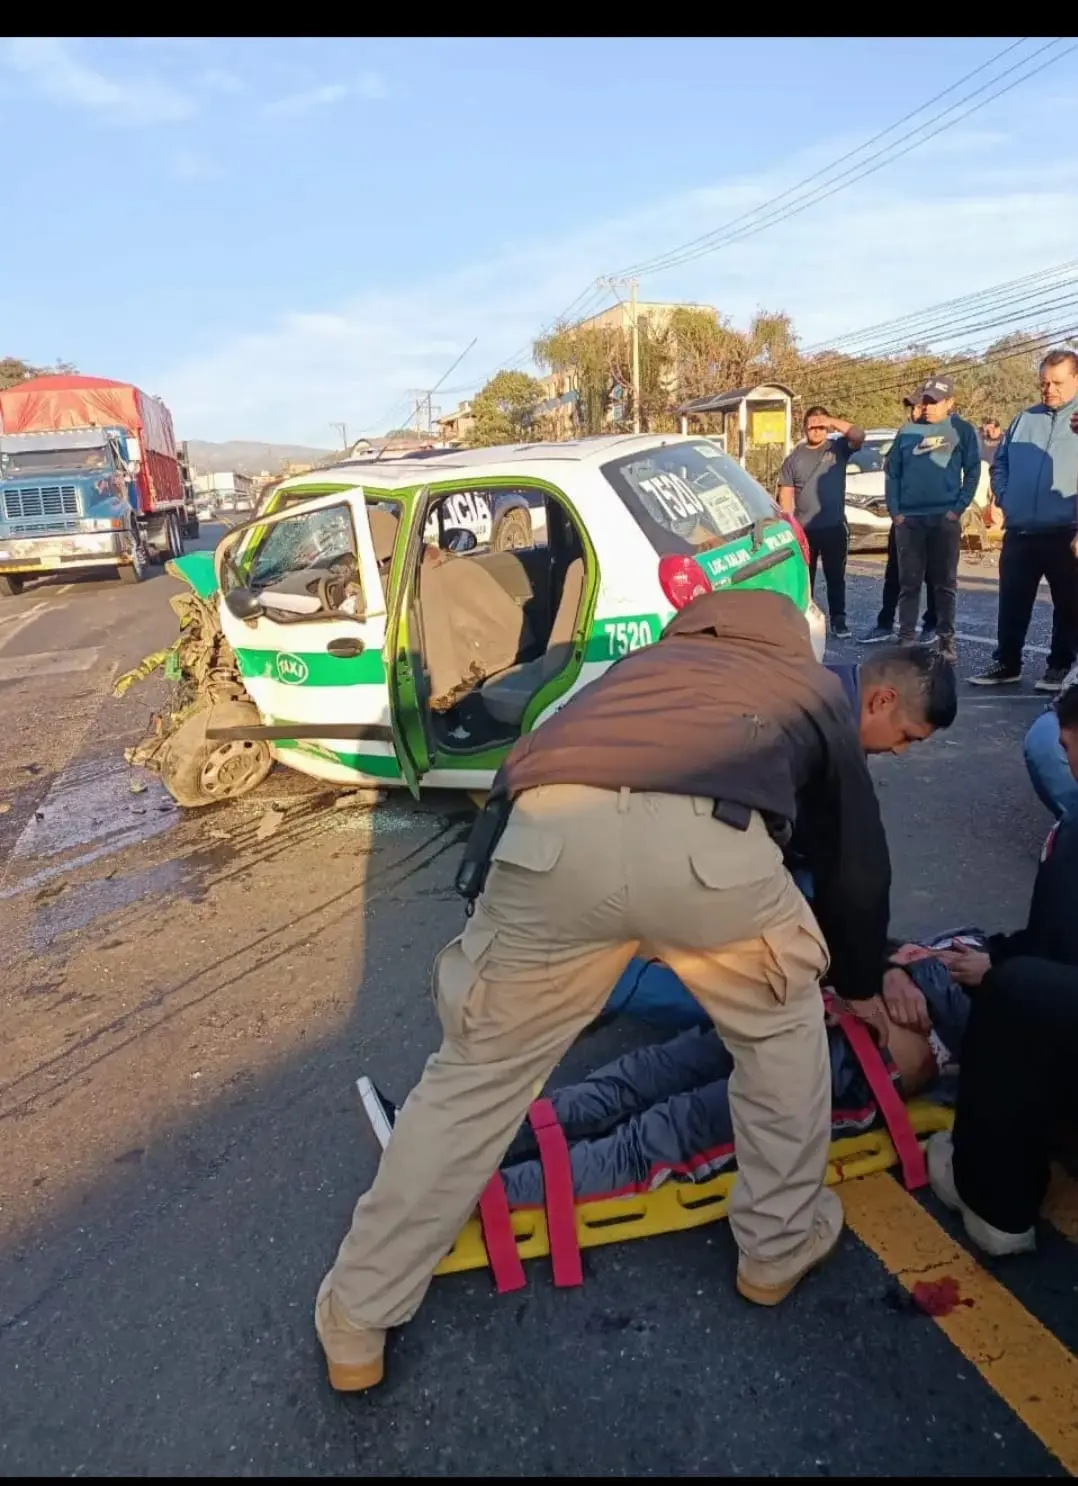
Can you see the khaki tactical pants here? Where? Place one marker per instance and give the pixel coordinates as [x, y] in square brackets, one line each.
[581, 881]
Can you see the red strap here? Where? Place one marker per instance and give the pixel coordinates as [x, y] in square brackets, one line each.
[497, 1228]
[558, 1194]
[895, 1115]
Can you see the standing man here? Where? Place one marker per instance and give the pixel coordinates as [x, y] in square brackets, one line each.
[991, 438]
[883, 631]
[631, 823]
[933, 470]
[812, 487]
[1034, 477]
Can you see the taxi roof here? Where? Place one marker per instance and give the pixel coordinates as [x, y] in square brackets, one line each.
[457, 464]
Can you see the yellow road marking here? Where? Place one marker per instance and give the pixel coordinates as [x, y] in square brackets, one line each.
[1033, 1372]
[1061, 1204]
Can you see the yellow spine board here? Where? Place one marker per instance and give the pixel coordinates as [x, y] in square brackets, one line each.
[677, 1205]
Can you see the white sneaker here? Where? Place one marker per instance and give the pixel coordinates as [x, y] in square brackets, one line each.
[381, 1114]
[940, 1159]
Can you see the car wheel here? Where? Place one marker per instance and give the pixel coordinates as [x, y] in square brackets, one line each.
[199, 771]
[513, 531]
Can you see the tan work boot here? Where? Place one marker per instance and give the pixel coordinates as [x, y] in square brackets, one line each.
[766, 1284]
[355, 1358]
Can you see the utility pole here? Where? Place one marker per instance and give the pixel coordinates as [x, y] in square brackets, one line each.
[634, 330]
[342, 429]
[636, 357]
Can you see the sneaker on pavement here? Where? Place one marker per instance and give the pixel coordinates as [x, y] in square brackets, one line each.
[877, 635]
[994, 1241]
[840, 629]
[996, 675]
[380, 1111]
[1052, 680]
[763, 1286]
[928, 633]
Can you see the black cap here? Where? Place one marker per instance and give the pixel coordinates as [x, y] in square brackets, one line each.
[936, 389]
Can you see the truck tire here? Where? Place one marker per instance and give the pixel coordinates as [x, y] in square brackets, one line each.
[11, 585]
[191, 528]
[138, 568]
[513, 531]
[197, 771]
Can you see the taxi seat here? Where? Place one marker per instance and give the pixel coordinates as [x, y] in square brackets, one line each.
[507, 695]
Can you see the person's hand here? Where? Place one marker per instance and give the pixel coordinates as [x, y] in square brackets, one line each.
[952, 515]
[905, 1002]
[898, 520]
[970, 968]
[872, 1012]
[907, 953]
[1074, 544]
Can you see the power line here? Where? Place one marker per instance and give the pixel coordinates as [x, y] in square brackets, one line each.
[733, 231]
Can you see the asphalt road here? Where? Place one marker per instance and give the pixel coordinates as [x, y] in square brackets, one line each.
[186, 1004]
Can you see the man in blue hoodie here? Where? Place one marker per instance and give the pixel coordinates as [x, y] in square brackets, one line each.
[932, 473]
[1034, 479]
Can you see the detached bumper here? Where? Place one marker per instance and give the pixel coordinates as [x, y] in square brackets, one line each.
[72, 550]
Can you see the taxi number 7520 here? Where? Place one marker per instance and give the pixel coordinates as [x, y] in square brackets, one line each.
[628, 634]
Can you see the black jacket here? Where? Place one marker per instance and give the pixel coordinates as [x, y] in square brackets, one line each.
[731, 704]
[1051, 932]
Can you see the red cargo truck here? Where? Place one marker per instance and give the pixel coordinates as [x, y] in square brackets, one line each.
[90, 476]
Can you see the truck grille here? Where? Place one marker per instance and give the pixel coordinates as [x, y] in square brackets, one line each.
[41, 500]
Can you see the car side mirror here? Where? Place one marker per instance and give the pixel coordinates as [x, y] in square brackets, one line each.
[459, 539]
[244, 603]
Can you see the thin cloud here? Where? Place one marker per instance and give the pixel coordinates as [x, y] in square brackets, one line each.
[833, 271]
[307, 101]
[190, 167]
[372, 86]
[219, 80]
[53, 67]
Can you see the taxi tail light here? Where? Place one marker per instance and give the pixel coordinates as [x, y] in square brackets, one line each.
[682, 580]
[802, 539]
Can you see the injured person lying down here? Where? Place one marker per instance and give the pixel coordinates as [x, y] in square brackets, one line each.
[662, 1111]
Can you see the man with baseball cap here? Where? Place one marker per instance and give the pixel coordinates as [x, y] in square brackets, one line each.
[933, 469]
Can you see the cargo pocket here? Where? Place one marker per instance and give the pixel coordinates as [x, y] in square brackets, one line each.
[795, 959]
[455, 977]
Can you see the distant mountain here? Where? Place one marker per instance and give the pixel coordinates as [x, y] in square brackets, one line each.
[248, 458]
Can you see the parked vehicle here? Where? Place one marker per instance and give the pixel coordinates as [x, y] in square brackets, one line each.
[370, 655]
[90, 476]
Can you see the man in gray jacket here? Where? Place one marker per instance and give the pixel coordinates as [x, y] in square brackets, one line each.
[1034, 479]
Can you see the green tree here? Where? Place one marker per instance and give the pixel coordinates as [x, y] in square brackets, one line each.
[13, 371]
[501, 408]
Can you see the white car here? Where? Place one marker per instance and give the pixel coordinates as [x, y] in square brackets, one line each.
[866, 503]
[372, 654]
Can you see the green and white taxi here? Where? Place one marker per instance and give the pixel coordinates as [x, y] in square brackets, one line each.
[375, 655]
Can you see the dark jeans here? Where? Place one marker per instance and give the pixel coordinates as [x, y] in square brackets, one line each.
[1027, 557]
[885, 619]
[927, 547]
[830, 546]
[1015, 1087]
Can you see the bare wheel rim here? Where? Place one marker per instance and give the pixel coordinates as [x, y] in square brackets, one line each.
[231, 768]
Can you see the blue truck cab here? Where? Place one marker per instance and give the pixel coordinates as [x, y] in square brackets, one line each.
[70, 499]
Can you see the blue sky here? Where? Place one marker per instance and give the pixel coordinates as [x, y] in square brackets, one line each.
[278, 234]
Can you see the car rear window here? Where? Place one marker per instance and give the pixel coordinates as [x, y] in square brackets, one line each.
[687, 497]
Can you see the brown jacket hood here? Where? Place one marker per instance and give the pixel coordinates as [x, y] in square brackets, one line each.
[755, 615]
